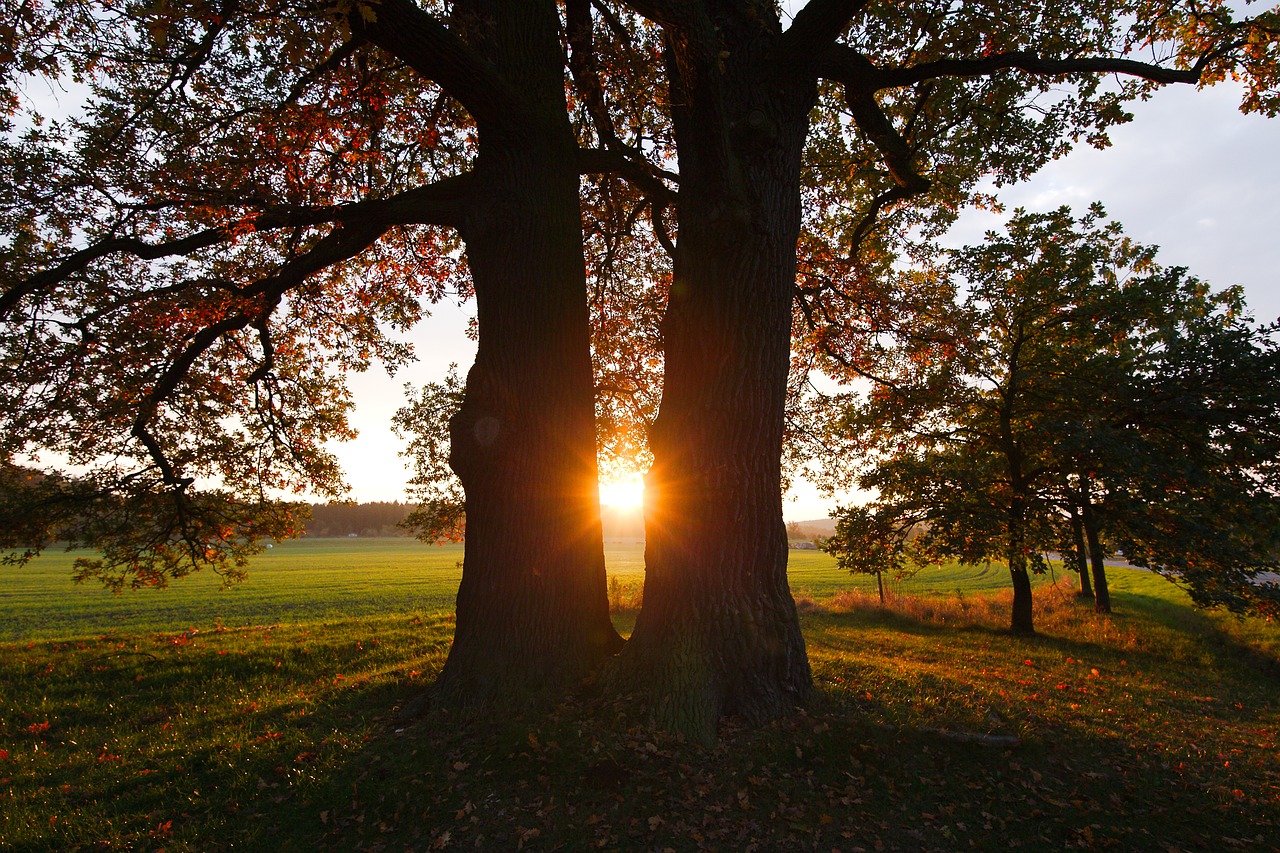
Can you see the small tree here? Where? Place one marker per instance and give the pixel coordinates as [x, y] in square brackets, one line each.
[871, 542]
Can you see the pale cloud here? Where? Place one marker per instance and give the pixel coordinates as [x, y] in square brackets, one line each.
[1191, 175]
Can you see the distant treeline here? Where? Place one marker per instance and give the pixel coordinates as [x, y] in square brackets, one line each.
[377, 518]
[380, 518]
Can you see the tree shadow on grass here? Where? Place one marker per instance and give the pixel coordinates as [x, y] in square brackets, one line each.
[184, 741]
[586, 774]
[857, 768]
[352, 773]
[1188, 621]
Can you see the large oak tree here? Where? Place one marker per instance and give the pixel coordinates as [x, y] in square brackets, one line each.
[250, 194]
[853, 131]
[248, 163]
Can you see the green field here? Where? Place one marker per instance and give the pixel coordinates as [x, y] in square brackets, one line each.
[299, 581]
[324, 579]
[272, 717]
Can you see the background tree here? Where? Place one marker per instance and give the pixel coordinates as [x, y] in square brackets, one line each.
[1071, 539]
[1186, 482]
[961, 429]
[871, 542]
[1077, 373]
[373, 518]
[440, 513]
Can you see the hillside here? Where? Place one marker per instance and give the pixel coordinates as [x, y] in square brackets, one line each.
[814, 527]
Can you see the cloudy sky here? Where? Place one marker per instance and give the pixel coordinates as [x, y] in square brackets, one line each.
[1190, 174]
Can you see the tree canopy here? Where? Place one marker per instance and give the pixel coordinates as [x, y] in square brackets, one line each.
[1071, 364]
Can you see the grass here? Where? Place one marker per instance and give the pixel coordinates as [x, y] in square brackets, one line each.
[300, 581]
[324, 579]
[268, 718]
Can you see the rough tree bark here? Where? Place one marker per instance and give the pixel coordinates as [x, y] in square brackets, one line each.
[718, 634]
[532, 609]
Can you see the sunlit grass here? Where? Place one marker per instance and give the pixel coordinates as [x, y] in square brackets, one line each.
[311, 579]
[296, 581]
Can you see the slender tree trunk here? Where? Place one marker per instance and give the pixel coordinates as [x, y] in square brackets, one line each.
[718, 634]
[1023, 619]
[1102, 595]
[1081, 554]
[532, 609]
[880, 586]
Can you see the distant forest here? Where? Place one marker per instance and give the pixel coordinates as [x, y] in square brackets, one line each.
[377, 518]
[380, 518]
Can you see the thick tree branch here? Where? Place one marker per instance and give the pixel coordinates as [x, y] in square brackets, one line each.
[897, 154]
[878, 204]
[845, 65]
[1030, 62]
[816, 27]
[586, 72]
[613, 22]
[860, 79]
[414, 36]
[643, 175]
[128, 245]
[660, 229]
[442, 203]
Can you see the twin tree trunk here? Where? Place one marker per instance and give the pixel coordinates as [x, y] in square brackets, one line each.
[532, 609]
[1081, 553]
[718, 634]
[1101, 592]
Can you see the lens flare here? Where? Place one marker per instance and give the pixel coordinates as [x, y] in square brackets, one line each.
[624, 493]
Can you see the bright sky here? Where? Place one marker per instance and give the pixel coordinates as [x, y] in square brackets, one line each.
[1189, 174]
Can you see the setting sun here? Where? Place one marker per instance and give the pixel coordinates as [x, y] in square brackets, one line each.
[626, 493]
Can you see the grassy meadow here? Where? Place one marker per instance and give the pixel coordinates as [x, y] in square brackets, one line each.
[272, 716]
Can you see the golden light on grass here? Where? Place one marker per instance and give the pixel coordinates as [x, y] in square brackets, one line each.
[624, 492]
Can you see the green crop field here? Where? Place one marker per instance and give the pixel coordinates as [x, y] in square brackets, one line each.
[275, 716]
[298, 581]
[323, 579]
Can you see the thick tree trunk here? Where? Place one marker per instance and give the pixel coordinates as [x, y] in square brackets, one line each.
[1101, 594]
[532, 609]
[1081, 554]
[718, 634]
